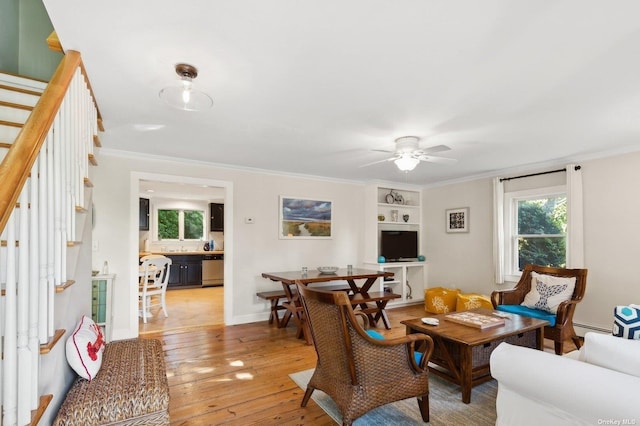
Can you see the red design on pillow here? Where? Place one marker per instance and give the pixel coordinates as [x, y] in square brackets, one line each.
[93, 348]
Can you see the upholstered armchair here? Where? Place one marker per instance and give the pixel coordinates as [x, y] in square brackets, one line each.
[560, 326]
[357, 371]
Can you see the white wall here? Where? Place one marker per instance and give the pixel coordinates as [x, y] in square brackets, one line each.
[612, 231]
[256, 247]
[460, 260]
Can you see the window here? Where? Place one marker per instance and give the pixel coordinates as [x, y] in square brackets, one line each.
[174, 224]
[535, 229]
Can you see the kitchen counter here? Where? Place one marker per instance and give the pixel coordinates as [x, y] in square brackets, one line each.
[180, 253]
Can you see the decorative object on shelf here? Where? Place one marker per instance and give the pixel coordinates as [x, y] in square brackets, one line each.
[394, 197]
[394, 215]
[405, 217]
[206, 246]
[182, 95]
[380, 218]
[409, 290]
[421, 258]
[305, 218]
[381, 259]
[457, 220]
[327, 269]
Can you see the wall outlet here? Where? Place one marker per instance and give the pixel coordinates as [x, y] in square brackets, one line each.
[95, 245]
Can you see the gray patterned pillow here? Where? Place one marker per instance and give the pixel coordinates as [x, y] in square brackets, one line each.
[547, 292]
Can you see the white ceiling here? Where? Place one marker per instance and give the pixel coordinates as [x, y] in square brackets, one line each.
[310, 87]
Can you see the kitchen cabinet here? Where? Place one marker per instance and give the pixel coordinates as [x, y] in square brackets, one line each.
[186, 271]
[217, 216]
[144, 214]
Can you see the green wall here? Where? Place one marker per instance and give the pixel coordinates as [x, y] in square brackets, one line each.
[24, 28]
[9, 35]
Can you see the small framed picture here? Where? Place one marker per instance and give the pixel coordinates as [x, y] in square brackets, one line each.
[457, 220]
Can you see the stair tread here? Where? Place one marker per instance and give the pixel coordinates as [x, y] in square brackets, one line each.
[11, 123]
[17, 106]
[46, 348]
[20, 89]
[36, 415]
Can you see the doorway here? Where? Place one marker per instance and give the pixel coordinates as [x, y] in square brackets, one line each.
[187, 307]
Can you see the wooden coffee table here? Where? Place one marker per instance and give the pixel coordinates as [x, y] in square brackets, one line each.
[461, 352]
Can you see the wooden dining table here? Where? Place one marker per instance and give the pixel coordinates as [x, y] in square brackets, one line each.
[358, 285]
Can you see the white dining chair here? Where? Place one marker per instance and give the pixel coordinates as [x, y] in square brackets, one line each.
[154, 277]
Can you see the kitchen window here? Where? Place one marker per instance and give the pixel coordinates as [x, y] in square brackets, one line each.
[177, 224]
[535, 229]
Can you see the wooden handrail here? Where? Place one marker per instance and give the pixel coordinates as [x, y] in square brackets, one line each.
[54, 44]
[17, 164]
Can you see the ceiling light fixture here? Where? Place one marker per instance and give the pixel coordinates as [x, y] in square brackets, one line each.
[406, 162]
[184, 96]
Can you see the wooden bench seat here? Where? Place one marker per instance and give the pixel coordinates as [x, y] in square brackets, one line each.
[277, 297]
[375, 313]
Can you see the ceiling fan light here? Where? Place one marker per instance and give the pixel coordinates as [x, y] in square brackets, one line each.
[183, 96]
[406, 163]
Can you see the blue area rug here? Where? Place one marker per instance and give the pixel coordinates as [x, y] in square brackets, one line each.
[446, 406]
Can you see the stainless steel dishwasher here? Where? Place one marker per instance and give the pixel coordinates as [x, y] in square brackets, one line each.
[213, 270]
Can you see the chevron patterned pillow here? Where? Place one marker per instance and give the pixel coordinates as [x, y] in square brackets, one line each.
[626, 322]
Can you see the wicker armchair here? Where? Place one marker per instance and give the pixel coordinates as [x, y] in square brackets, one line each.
[357, 371]
[563, 328]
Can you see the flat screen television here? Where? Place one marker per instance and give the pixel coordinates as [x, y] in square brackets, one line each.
[397, 246]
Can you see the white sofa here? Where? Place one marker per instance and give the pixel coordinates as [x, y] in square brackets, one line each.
[598, 385]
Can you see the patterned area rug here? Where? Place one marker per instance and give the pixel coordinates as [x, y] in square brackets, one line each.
[445, 405]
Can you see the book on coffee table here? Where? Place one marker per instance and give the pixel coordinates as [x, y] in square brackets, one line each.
[474, 319]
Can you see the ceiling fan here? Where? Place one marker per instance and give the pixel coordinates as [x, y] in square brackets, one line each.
[408, 154]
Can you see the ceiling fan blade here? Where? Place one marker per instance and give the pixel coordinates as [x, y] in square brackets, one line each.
[436, 148]
[377, 162]
[382, 150]
[439, 160]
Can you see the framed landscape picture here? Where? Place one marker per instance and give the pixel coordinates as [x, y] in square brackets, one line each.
[305, 218]
[457, 220]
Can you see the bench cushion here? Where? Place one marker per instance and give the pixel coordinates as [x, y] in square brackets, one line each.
[131, 388]
[528, 312]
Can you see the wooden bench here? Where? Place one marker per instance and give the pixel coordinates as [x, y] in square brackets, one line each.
[131, 388]
[274, 297]
[278, 297]
[374, 313]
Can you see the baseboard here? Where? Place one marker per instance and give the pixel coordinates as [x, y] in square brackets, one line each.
[581, 329]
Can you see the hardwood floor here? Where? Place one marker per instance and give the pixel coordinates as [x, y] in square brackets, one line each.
[187, 308]
[239, 375]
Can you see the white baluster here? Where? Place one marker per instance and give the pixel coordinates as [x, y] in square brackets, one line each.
[34, 281]
[24, 356]
[43, 245]
[10, 398]
[50, 228]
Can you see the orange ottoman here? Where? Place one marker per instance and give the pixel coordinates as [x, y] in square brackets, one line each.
[440, 300]
[464, 302]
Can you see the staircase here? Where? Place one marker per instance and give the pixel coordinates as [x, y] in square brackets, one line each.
[47, 136]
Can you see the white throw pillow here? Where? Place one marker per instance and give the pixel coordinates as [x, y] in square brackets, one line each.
[611, 352]
[85, 347]
[548, 291]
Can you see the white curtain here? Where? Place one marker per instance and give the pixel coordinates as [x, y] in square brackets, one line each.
[498, 230]
[575, 226]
